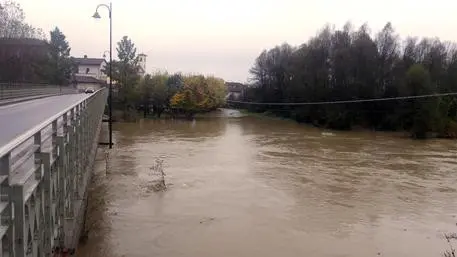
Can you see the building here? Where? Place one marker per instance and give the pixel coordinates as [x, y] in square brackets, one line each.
[91, 67]
[90, 73]
[21, 60]
[142, 64]
[83, 82]
[234, 91]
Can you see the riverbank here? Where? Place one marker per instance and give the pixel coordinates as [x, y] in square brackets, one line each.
[135, 116]
[355, 128]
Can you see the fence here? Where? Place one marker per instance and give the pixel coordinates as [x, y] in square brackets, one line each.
[11, 91]
[44, 175]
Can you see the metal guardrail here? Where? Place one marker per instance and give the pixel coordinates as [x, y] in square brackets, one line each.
[11, 91]
[44, 175]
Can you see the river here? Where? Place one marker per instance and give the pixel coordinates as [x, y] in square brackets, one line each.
[251, 186]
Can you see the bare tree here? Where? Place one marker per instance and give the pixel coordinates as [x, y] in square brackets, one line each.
[13, 25]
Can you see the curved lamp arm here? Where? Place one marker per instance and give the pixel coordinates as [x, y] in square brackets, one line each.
[97, 15]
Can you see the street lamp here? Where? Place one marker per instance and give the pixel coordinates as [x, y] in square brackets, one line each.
[110, 94]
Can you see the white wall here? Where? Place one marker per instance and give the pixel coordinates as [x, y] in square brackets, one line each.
[94, 71]
[233, 95]
[142, 63]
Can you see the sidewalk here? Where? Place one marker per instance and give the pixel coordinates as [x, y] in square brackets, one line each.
[22, 99]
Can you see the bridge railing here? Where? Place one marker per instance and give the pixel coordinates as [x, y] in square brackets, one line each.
[44, 175]
[18, 90]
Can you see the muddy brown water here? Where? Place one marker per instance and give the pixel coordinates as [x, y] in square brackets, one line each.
[250, 186]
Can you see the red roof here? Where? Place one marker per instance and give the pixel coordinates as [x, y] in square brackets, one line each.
[89, 61]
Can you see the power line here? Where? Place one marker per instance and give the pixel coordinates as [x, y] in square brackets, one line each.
[350, 101]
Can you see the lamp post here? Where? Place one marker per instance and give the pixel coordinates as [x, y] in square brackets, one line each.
[110, 94]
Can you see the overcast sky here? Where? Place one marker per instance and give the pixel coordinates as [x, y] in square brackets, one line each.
[223, 37]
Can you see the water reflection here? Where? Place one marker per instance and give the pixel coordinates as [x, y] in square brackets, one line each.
[196, 130]
[260, 187]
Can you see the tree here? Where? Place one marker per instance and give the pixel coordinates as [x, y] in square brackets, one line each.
[424, 112]
[174, 84]
[125, 74]
[126, 52]
[351, 65]
[217, 91]
[34, 60]
[387, 43]
[23, 60]
[23, 51]
[12, 23]
[198, 94]
[146, 89]
[61, 66]
[159, 92]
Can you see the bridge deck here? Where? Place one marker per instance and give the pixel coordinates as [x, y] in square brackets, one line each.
[18, 118]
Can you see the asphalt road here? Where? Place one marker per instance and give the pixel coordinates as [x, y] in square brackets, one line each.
[18, 118]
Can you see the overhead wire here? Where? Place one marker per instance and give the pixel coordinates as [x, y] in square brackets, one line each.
[349, 101]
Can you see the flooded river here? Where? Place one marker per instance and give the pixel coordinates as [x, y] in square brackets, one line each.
[250, 186]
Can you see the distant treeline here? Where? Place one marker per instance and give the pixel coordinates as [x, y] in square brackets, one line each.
[25, 53]
[153, 94]
[350, 64]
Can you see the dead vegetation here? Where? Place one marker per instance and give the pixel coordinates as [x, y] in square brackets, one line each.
[449, 237]
[158, 176]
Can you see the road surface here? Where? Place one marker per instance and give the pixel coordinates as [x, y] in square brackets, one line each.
[18, 118]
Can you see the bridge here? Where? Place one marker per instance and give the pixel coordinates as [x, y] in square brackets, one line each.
[48, 142]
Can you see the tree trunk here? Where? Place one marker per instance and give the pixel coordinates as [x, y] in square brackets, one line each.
[190, 115]
[145, 111]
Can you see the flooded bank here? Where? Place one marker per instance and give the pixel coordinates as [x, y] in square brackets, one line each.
[245, 186]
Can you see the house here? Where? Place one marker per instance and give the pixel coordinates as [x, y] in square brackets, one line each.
[234, 90]
[90, 73]
[91, 67]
